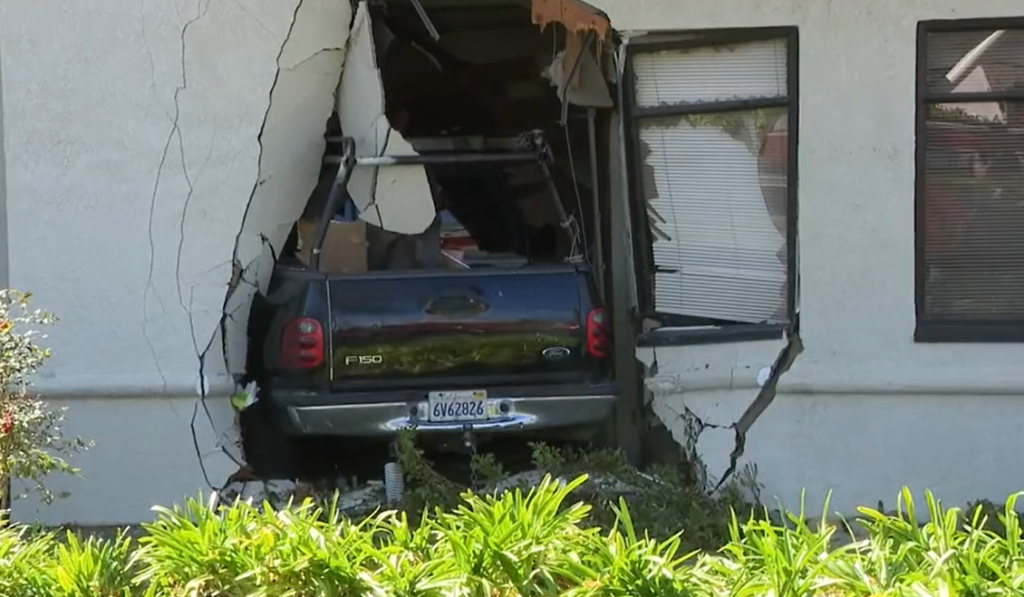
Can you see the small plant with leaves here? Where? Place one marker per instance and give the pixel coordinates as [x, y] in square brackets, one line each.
[92, 566]
[32, 445]
[522, 543]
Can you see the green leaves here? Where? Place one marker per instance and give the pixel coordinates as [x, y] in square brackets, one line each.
[32, 446]
[521, 544]
[91, 567]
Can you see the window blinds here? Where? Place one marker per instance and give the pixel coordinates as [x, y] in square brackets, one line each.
[715, 182]
[971, 187]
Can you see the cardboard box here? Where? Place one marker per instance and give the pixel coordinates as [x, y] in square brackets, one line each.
[344, 250]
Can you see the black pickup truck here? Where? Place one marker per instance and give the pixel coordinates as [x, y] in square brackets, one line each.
[492, 347]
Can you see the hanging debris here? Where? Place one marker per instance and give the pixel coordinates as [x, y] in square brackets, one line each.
[576, 16]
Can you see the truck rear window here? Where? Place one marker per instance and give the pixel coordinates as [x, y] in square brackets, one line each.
[488, 216]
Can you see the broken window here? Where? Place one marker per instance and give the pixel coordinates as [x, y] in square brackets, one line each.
[713, 131]
[970, 182]
[447, 83]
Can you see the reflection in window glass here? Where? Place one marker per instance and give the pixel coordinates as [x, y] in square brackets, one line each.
[973, 177]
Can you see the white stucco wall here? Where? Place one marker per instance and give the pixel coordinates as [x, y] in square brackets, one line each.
[153, 151]
[97, 111]
[864, 409]
[3, 190]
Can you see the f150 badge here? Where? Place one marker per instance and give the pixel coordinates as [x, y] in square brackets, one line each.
[365, 359]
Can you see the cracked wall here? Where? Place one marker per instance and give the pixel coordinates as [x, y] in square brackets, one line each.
[302, 96]
[154, 149]
[701, 393]
[861, 392]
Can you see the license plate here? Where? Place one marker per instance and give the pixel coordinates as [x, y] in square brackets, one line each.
[470, 405]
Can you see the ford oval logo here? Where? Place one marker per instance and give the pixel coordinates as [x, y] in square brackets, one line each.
[556, 353]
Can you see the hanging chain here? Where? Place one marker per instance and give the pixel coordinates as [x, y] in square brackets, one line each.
[470, 443]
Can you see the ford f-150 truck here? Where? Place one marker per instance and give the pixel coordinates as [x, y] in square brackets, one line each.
[485, 348]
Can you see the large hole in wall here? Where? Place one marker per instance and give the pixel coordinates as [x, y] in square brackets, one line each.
[492, 77]
[487, 79]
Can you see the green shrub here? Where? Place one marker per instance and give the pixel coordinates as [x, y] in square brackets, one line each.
[32, 444]
[93, 567]
[517, 544]
[660, 501]
[24, 562]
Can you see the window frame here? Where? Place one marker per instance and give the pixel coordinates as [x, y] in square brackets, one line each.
[949, 330]
[643, 258]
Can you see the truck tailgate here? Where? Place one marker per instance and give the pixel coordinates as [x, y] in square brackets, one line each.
[479, 326]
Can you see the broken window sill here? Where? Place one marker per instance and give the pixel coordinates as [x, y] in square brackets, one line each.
[711, 335]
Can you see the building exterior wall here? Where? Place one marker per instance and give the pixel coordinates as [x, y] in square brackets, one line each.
[3, 189]
[132, 142]
[157, 153]
[864, 409]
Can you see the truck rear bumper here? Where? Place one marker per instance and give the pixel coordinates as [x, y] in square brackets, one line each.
[519, 409]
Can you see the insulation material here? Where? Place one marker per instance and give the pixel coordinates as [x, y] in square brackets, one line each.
[396, 198]
[588, 87]
[576, 16]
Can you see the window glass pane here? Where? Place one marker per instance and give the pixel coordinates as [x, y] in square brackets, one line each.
[715, 189]
[974, 213]
[711, 74]
[975, 61]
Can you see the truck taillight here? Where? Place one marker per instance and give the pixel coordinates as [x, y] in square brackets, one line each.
[597, 334]
[302, 344]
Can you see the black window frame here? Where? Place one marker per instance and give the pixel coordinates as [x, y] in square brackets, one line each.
[642, 242]
[949, 330]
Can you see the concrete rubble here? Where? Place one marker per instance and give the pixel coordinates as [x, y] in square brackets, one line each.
[368, 497]
[352, 502]
[597, 482]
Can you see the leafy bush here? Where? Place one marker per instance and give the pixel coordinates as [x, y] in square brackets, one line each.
[517, 544]
[660, 500]
[32, 445]
[24, 562]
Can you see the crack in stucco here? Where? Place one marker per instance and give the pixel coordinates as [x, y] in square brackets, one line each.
[693, 428]
[156, 189]
[238, 278]
[184, 217]
[765, 396]
[202, 401]
[202, 395]
[312, 56]
[255, 19]
[259, 173]
[188, 199]
[201, 353]
[145, 44]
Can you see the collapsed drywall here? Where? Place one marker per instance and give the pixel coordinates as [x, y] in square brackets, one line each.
[291, 147]
[396, 198]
